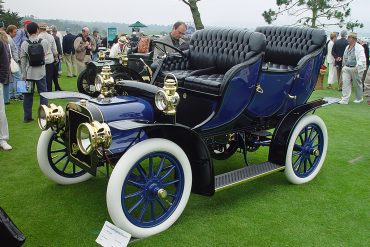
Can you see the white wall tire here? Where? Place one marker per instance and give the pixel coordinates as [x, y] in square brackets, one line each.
[148, 220]
[306, 150]
[52, 157]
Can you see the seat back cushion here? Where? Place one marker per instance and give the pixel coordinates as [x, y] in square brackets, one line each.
[223, 48]
[288, 45]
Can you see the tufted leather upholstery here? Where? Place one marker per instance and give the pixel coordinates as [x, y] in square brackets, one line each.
[205, 83]
[277, 67]
[223, 48]
[219, 49]
[288, 45]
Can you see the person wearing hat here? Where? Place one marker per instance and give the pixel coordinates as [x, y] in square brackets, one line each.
[22, 34]
[50, 56]
[119, 47]
[337, 52]
[354, 65]
[57, 63]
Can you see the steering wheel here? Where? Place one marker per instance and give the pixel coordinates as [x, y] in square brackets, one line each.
[162, 47]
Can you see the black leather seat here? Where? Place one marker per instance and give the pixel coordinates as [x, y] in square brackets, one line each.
[213, 52]
[288, 47]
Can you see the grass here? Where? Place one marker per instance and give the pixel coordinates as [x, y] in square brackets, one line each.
[332, 210]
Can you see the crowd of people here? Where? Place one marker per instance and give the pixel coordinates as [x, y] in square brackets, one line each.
[348, 63]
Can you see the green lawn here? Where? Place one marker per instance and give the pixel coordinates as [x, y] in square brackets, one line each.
[332, 210]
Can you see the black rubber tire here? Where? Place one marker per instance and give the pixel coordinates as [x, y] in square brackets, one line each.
[80, 85]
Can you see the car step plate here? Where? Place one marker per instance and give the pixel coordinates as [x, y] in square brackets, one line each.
[245, 174]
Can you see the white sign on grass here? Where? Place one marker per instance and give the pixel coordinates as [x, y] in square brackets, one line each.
[112, 236]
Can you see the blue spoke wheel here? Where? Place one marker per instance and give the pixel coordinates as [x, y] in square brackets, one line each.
[306, 150]
[53, 159]
[149, 187]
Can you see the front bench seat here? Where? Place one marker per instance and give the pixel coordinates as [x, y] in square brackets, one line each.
[212, 53]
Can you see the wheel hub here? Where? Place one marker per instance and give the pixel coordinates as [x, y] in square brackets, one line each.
[154, 190]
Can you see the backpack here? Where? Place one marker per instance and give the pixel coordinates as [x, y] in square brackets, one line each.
[36, 54]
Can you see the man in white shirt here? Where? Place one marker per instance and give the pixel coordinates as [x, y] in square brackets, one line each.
[50, 55]
[354, 65]
[119, 48]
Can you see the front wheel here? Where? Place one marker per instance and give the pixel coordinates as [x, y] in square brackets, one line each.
[52, 156]
[149, 187]
[306, 150]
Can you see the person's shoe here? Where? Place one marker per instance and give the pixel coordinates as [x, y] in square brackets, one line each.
[7, 103]
[28, 120]
[74, 75]
[329, 86]
[343, 102]
[5, 146]
[357, 101]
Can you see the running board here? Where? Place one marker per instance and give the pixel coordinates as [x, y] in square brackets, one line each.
[245, 174]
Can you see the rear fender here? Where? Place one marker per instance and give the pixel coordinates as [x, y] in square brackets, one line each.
[282, 133]
[192, 144]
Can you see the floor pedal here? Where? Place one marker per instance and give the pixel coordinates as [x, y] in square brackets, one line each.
[245, 174]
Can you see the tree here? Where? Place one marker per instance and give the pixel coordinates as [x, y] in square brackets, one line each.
[10, 18]
[195, 12]
[351, 25]
[313, 13]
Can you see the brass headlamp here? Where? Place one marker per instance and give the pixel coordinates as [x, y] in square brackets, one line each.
[167, 98]
[91, 136]
[104, 82]
[101, 55]
[51, 116]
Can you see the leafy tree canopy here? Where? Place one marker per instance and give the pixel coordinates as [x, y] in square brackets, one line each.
[312, 13]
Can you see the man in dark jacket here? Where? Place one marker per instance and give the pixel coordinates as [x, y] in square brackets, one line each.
[337, 52]
[366, 49]
[69, 52]
[54, 31]
[4, 76]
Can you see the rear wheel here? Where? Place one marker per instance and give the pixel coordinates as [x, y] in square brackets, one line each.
[149, 187]
[306, 150]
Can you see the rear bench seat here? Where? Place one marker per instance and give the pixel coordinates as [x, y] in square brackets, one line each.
[212, 53]
[287, 48]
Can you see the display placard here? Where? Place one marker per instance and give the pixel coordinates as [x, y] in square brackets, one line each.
[112, 236]
[111, 34]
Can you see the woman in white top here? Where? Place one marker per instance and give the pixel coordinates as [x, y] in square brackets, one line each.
[331, 61]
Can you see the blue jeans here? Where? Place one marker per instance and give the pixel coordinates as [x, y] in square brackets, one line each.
[28, 98]
[6, 93]
[13, 85]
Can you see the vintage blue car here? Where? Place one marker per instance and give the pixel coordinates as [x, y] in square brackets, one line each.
[233, 90]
